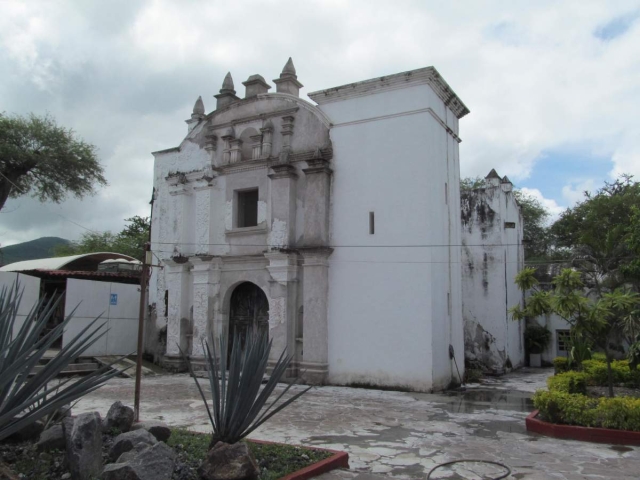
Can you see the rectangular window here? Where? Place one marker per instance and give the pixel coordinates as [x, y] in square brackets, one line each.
[509, 224]
[248, 208]
[562, 340]
[372, 223]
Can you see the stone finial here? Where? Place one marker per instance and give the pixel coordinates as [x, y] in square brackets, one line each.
[289, 69]
[288, 81]
[227, 93]
[493, 174]
[506, 184]
[227, 84]
[493, 179]
[268, 125]
[198, 108]
[255, 85]
[196, 115]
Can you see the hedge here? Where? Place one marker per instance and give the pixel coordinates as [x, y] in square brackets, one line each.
[622, 413]
[596, 370]
[569, 382]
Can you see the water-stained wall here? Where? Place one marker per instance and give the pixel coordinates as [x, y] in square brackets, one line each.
[492, 254]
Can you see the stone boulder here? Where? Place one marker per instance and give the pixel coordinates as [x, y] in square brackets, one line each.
[160, 430]
[28, 432]
[229, 462]
[83, 437]
[154, 462]
[127, 441]
[52, 439]
[119, 417]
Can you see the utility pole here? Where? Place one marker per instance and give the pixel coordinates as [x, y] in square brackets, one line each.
[143, 297]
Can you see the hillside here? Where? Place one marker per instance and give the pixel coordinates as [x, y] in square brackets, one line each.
[39, 248]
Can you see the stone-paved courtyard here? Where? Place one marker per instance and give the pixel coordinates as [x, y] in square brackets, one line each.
[401, 434]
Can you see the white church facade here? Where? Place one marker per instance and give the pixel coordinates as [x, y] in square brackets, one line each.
[333, 226]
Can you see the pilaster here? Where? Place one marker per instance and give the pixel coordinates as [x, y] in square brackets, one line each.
[315, 341]
[178, 324]
[316, 201]
[283, 206]
[206, 290]
[283, 294]
[287, 132]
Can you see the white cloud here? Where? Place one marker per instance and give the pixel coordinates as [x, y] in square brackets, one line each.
[550, 204]
[574, 192]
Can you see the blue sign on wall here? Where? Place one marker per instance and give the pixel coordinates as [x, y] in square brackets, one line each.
[114, 299]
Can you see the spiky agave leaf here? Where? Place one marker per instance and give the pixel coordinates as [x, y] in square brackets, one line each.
[25, 395]
[237, 399]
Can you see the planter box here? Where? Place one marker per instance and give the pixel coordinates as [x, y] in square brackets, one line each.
[585, 434]
[337, 460]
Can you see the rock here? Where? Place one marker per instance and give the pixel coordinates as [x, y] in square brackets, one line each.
[229, 462]
[6, 473]
[83, 436]
[28, 432]
[126, 441]
[160, 430]
[119, 417]
[154, 462]
[66, 476]
[52, 439]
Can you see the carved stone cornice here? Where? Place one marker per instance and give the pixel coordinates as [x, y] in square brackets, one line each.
[426, 76]
[317, 165]
[253, 118]
[285, 170]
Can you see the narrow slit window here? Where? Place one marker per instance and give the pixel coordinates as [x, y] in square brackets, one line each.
[446, 194]
[248, 208]
[372, 223]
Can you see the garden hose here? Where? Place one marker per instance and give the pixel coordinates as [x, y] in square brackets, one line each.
[473, 461]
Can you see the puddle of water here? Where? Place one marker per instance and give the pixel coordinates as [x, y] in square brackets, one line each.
[475, 400]
[620, 448]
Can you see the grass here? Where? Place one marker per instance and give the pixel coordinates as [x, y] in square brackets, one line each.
[278, 460]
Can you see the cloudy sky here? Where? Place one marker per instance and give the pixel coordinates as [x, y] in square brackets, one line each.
[553, 87]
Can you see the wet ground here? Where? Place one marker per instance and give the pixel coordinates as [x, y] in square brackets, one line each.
[400, 434]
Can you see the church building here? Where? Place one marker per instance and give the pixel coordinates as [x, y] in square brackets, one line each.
[333, 225]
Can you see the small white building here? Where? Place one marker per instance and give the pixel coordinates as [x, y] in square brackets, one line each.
[92, 288]
[334, 226]
[492, 256]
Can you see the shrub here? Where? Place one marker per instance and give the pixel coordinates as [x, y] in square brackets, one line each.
[536, 338]
[620, 413]
[598, 374]
[569, 382]
[599, 356]
[560, 364]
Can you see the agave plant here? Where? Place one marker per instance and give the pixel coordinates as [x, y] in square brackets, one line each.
[238, 401]
[28, 394]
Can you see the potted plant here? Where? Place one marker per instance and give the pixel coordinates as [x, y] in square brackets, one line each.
[536, 339]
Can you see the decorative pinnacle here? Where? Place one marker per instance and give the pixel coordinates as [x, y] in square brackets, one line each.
[198, 108]
[288, 69]
[493, 174]
[227, 84]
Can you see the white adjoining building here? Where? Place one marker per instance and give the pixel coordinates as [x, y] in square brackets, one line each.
[334, 226]
[492, 255]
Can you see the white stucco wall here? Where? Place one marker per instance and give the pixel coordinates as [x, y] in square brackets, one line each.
[30, 287]
[389, 320]
[93, 299]
[492, 255]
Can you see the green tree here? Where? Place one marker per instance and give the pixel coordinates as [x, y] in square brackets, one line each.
[595, 231]
[601, 319]
[39, 157]
[130, 241]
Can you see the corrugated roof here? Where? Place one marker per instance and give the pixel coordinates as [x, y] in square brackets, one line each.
[117, 277]
[58, 263]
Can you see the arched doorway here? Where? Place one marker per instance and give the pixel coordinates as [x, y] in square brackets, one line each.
[249, 307]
